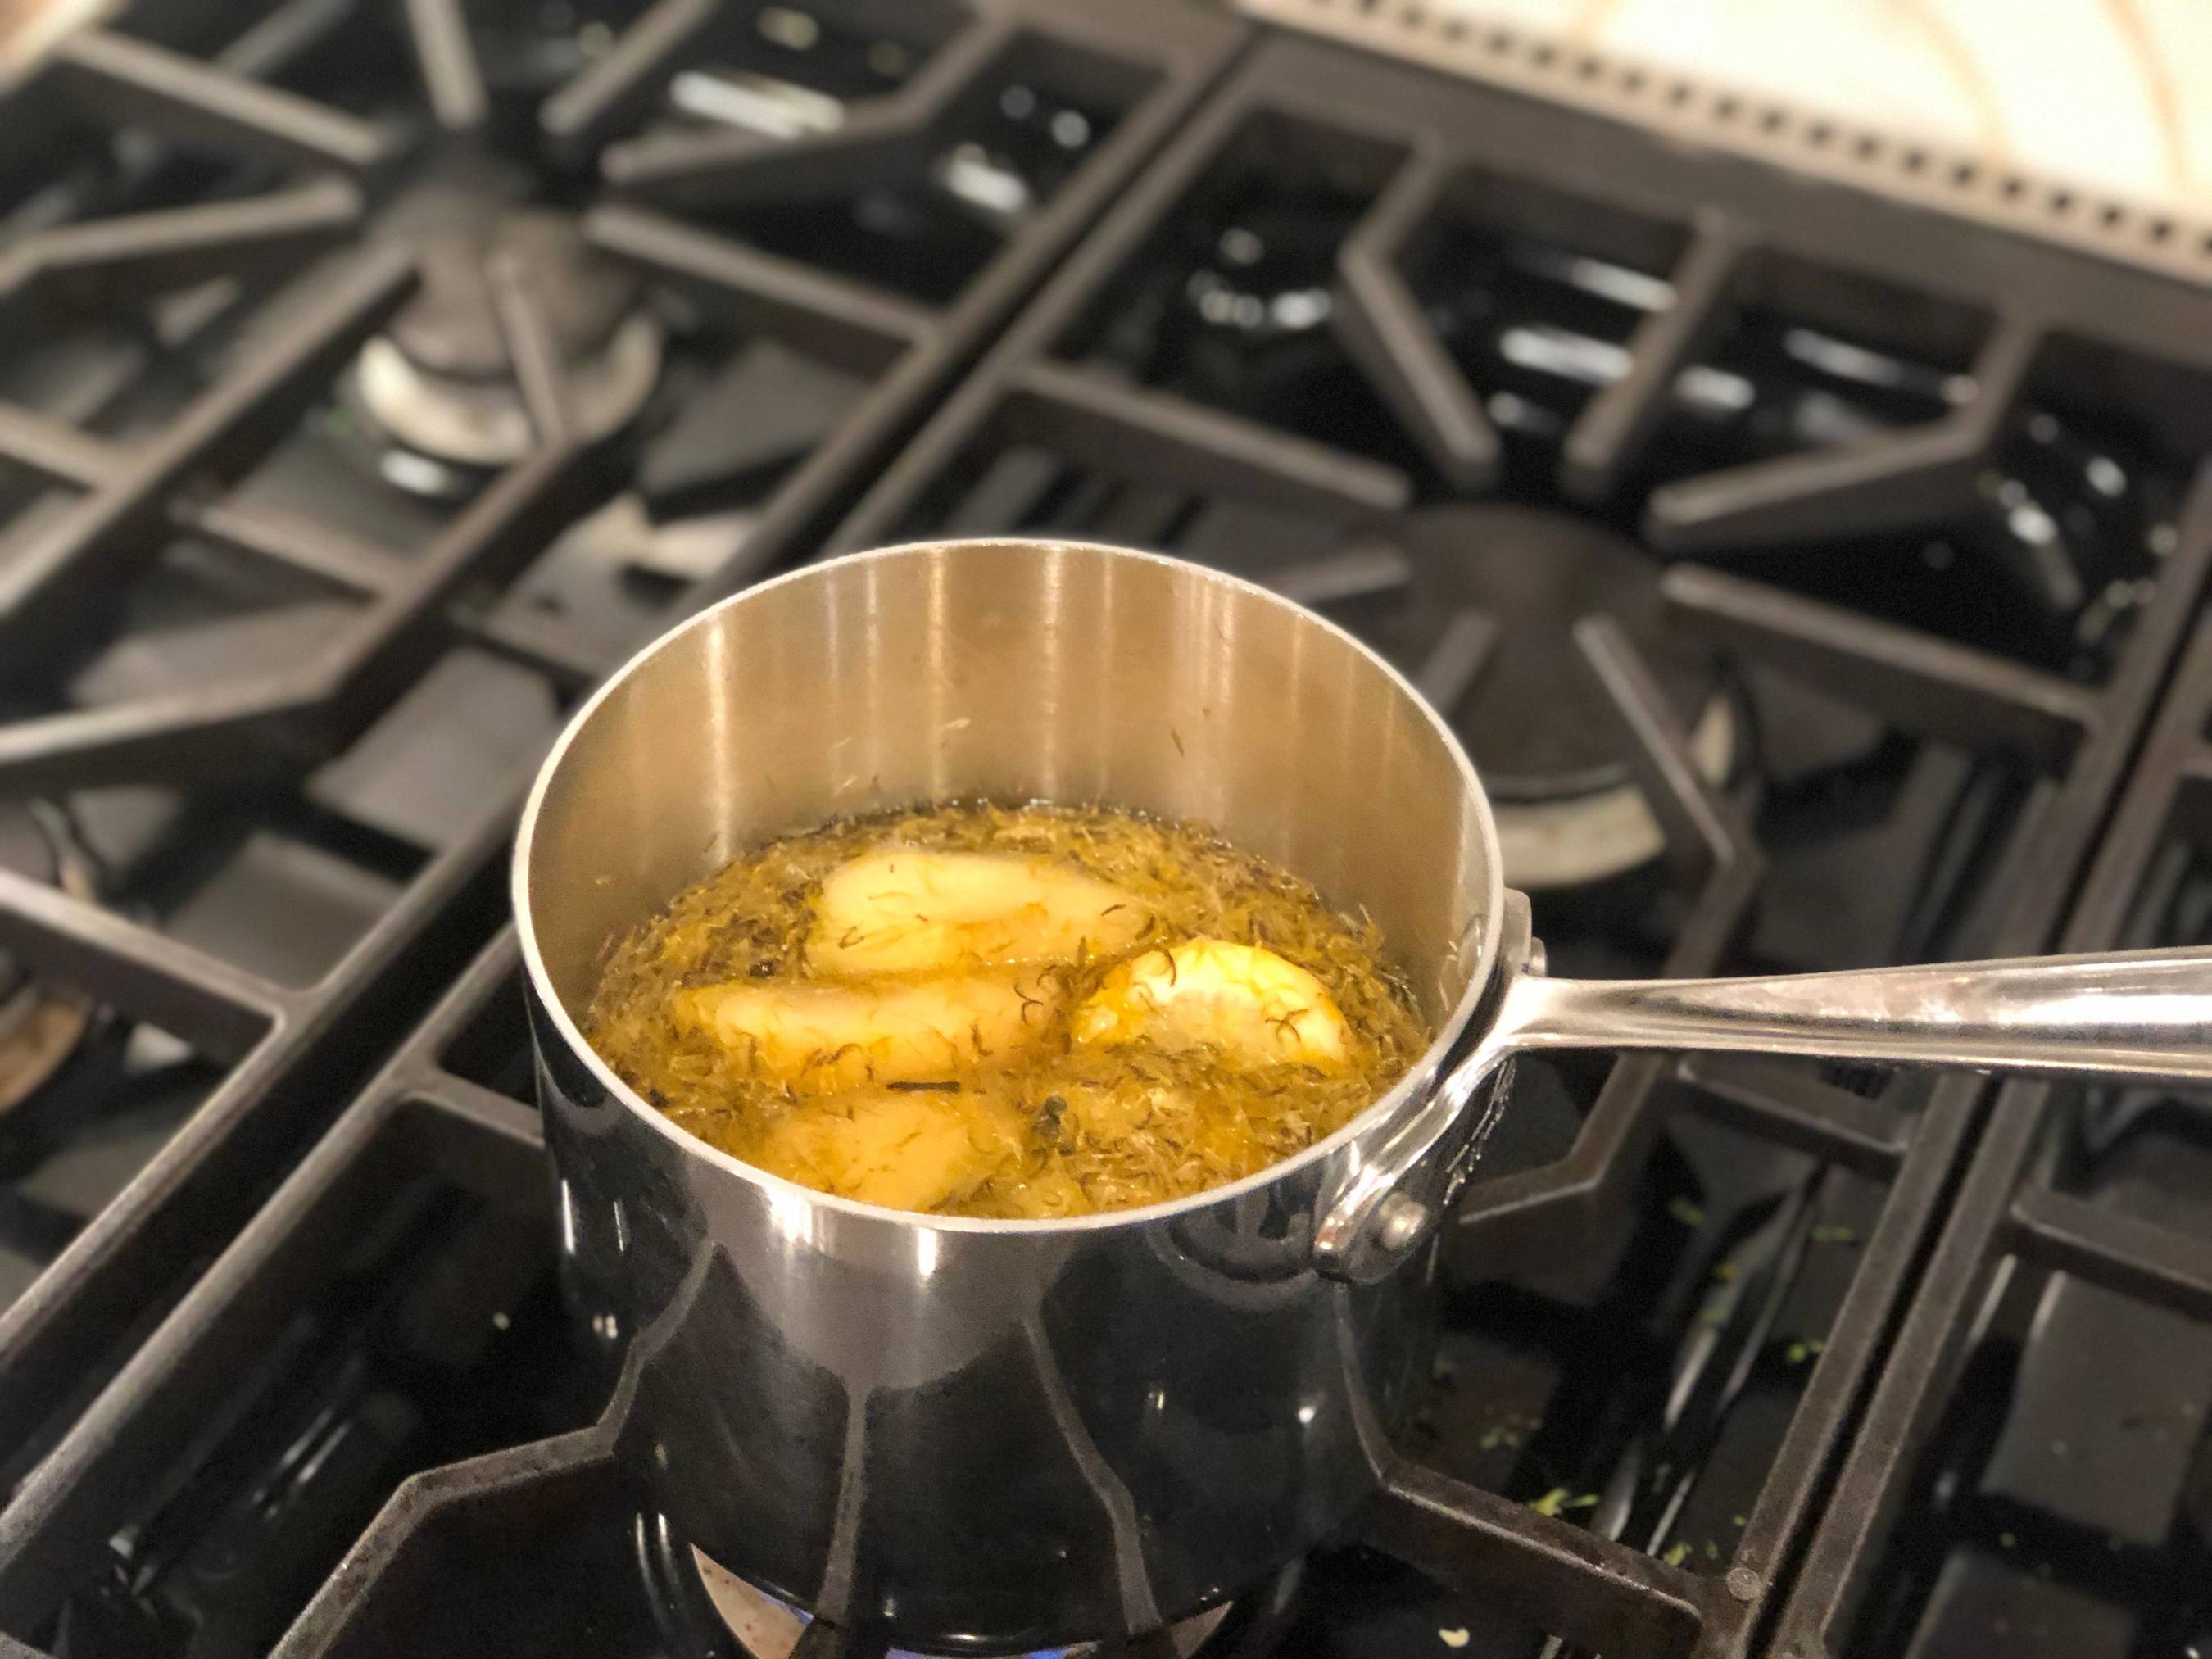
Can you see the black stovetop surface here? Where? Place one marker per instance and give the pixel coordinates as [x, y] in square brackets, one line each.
[1813, 578]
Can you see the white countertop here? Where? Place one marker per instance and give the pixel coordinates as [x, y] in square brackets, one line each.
[2111, 93]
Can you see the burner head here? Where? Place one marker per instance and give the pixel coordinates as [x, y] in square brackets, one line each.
[1538, 723]
[440, 380]
[451, 327]
[1541, 730]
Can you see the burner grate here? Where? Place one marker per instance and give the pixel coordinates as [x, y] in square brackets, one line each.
[1747, 1238]
[2035, 1517]
[212, 616]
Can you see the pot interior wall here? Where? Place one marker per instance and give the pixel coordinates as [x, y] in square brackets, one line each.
[1014, 671]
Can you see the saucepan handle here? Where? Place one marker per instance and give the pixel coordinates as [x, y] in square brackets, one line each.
[2141, 1016]
[2131, 1016]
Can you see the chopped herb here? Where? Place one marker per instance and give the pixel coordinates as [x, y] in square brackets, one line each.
[1676, 1554]
[1685, 1211]
[1550, 1503]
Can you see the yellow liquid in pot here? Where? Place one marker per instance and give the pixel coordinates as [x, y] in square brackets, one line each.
[1032, 1012]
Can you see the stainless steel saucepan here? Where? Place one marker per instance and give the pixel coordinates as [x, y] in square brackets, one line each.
[997, 1435]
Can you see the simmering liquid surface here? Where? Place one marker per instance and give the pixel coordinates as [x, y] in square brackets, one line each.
[1030, 1011]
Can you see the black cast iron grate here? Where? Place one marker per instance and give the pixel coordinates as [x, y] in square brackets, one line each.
[166, 176]
[2040, 1436]
[1613, 1155]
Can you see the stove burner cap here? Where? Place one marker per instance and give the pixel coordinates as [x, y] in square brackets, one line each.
[1548, 845]
[451, 328]
[1538, 723]
[1541, 730]
[440, 380]
[767, 1628]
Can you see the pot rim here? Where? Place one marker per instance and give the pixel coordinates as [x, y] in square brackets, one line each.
[1419, 1080]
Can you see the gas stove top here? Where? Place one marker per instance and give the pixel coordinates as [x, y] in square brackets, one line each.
[1804, 570]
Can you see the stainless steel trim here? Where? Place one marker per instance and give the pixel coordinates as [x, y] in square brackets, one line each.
[1719, 116]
